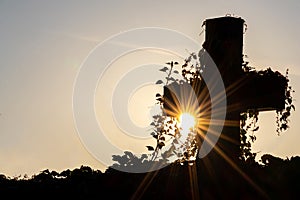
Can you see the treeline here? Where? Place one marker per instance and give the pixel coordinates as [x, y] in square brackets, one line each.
[275, 179]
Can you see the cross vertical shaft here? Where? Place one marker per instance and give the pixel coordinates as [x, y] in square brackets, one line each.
[224, 43]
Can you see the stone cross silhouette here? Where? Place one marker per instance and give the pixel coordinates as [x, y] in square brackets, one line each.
[244, 90]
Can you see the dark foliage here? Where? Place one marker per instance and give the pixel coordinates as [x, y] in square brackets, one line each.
[276, 179]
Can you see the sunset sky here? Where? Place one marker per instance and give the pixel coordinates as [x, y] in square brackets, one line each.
[44, 44]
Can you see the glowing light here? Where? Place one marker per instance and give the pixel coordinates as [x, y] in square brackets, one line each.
[187, 122]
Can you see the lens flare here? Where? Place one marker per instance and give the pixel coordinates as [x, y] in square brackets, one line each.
[187, 122]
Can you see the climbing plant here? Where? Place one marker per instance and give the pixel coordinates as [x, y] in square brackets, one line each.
[165, 126]
[249, 119]
[185, 150]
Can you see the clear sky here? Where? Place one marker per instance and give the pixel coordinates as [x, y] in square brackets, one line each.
[44, 43]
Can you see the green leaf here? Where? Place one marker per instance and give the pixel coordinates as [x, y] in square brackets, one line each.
[159, 82]
[150, 148]
[164, 69]
[170, 79]
[160, 145]
[160, 99]
[292, 106]
[152, 124]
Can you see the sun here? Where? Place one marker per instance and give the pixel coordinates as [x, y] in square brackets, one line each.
[187, 122]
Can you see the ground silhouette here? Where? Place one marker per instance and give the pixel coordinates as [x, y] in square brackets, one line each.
[274, 178]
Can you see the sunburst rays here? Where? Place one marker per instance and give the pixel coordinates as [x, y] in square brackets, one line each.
[196, 101]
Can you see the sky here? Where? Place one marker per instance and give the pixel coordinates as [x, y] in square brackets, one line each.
[45, 45]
